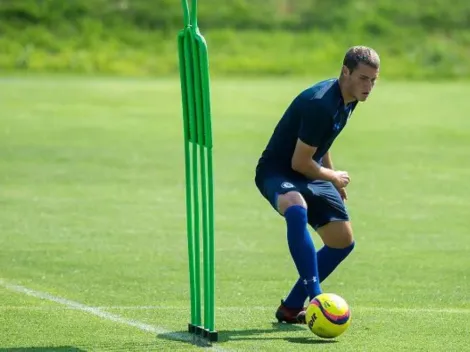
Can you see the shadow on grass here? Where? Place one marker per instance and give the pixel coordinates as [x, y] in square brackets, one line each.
[309, 340]
[253, 334]
[42, 349]
[249, 335]
[185, 337]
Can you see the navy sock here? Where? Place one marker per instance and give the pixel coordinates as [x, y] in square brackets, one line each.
[329, 258]
[297, 295]
[302, 249]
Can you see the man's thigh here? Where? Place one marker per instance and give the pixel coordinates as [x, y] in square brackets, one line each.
[273, 185]
[324, 204]
[337, 234]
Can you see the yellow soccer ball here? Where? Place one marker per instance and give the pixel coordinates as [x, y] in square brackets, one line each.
[328, 315]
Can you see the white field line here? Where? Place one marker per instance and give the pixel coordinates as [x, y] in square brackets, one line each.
[240, 309]
[99, 312]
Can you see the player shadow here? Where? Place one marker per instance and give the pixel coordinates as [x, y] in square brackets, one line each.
[254, 334]
[309, 340]
[42, 349]
[249, 335]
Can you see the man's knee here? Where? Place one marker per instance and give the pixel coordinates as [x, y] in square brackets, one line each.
[338, 234]
[286, 200]
[349, 248]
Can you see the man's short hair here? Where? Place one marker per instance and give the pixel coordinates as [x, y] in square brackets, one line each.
[361, 55]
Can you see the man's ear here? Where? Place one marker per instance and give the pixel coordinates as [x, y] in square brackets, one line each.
[345, 71]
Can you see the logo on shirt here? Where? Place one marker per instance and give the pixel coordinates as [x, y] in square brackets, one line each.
[287, 185]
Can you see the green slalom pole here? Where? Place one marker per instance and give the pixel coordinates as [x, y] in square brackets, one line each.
[207, 187]
[195, 87]
[192, 226]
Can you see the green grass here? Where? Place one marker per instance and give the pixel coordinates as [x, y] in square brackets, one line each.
[92, 211]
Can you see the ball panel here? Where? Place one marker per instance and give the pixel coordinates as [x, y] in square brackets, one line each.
[335, 313]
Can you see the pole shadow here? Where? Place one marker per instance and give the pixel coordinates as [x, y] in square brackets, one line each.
[249, 335]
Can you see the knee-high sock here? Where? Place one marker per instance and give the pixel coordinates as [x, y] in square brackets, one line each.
[328, 259]
[302, 249]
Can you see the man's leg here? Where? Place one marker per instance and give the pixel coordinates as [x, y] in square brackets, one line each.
[333, 226]
[338, 242]
[284, 196]
[294, 208]
[328, 216]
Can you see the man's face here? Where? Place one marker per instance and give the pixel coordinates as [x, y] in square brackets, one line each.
[361, 81]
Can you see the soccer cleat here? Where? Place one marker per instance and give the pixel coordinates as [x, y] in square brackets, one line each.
[301, 319]
[289, 315]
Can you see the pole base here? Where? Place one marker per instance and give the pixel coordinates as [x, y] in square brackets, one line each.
[211, 336]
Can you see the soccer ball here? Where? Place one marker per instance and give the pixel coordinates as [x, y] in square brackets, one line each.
[328, 315]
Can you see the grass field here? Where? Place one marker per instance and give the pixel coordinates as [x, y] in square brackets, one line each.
[92, 223]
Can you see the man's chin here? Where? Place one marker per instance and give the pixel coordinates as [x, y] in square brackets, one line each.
[362, 97]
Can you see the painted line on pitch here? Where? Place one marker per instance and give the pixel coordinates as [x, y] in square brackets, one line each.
[243, 309]
[96, 311]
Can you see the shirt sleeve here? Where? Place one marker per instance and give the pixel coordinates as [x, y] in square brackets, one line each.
[314, 123]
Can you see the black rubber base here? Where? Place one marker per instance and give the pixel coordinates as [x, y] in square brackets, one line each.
[211, 336]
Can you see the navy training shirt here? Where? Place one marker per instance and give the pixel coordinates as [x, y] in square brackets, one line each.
[316, 116]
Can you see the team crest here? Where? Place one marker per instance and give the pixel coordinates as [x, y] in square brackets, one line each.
[287, 185]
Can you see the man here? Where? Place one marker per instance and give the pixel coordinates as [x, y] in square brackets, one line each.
[295, 174]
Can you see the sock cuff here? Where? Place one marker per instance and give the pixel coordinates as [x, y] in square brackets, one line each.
[295, 209]
[345, 249]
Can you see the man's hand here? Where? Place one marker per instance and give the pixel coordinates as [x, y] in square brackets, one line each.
[343, 193]
[341, 179]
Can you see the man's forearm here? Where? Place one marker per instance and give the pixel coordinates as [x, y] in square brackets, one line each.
[327, 162]
[314, 171]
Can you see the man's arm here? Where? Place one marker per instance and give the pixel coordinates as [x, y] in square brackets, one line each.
[315, 122]
[303, 163]
[327, 162]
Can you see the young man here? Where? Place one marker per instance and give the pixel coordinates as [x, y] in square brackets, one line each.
[295, 174]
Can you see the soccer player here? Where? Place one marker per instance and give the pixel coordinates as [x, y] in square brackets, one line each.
[296, 175]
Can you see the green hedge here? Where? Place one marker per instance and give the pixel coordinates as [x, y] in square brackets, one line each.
[138, 37]
[376, 16]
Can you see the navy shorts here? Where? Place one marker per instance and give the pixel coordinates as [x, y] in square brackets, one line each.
[323, 199]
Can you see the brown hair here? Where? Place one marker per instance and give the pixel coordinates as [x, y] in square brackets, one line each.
[361, 54]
